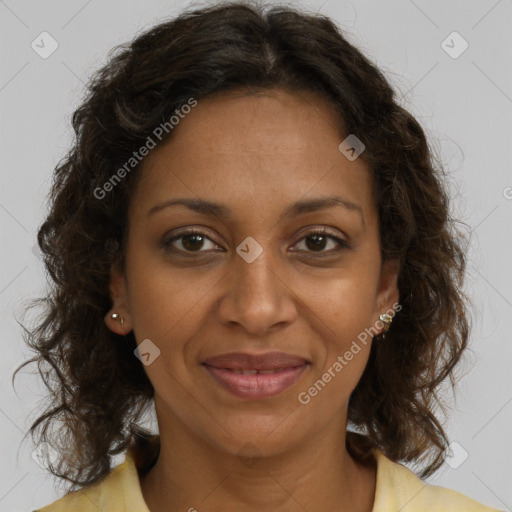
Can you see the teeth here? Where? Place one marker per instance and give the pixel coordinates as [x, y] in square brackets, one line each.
[254, 372]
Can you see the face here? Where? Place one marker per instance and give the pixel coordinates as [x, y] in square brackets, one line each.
[284, 263]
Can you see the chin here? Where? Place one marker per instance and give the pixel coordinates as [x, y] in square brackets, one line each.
[263, 434]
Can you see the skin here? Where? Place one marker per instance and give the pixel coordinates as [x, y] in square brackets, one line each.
[256, 154]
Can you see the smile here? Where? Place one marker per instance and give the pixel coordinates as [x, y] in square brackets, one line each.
[252, 384]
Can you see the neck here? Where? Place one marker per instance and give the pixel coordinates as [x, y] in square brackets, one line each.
[192, 474]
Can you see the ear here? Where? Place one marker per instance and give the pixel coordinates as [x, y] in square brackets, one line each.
[120, 305]
[387, 293]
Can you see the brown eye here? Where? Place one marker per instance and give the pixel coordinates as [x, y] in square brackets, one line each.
[190, 241]
[317, 241]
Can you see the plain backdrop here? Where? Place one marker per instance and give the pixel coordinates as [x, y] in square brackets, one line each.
[463, 98]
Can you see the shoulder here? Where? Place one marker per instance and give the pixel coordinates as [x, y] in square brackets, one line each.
[398, 488]
[119, 491]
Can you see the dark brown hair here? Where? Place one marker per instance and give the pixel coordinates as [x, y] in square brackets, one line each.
[98, 388]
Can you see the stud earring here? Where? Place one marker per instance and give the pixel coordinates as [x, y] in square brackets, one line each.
[386, 320]
[115, 316]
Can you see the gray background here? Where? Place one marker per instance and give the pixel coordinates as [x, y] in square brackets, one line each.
[465, 103]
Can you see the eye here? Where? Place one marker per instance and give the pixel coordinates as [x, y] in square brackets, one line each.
[193, 240]
[319, 239]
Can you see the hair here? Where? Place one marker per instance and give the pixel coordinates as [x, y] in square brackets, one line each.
[98, 390]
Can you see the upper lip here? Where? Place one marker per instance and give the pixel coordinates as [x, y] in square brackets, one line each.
[245, 361]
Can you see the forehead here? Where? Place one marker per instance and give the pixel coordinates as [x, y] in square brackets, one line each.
[271, 121]
[276, 146]
[267, 123]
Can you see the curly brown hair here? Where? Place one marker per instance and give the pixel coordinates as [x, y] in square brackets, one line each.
[98, 389]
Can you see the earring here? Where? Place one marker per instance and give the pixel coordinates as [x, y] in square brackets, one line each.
[386, 320]
[115, 316]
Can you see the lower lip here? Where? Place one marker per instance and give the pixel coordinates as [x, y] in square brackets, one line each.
[258, 385]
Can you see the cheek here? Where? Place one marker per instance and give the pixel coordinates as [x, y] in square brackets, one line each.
[345, 304]
[165, 311]
[346, 310]
[341, 363]
[163, 300]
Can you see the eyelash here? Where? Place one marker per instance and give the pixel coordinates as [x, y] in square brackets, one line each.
[167, 244]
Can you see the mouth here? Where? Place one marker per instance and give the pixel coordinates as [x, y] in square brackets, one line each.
[254, 372]
[255, 377]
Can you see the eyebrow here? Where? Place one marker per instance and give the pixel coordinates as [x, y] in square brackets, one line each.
[222, 212]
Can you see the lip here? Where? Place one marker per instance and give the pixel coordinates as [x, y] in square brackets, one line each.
[282, 372]
[246, 361]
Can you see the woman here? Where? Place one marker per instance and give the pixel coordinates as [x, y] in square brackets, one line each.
[250, 234]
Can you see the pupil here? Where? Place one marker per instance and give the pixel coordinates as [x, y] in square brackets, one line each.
[316, 245]
[194, 245]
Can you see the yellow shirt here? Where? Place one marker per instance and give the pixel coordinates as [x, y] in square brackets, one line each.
[398, 489]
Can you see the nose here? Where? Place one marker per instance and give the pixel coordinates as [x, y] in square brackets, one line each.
[256, 295]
